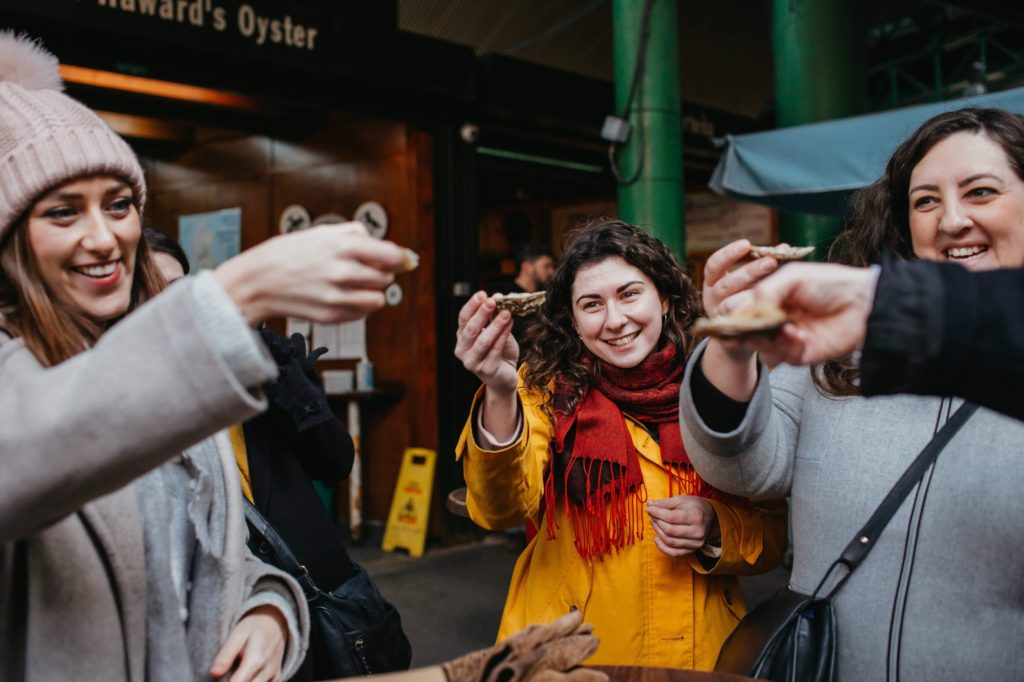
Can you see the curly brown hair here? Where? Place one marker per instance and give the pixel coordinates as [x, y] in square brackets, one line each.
[555, 350]
[881, 211]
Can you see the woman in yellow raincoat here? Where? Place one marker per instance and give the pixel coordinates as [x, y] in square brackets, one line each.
[584, 441]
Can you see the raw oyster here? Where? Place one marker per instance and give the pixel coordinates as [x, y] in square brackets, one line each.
[763, 319]
[411, 260]
[520, 304]
[782, 252]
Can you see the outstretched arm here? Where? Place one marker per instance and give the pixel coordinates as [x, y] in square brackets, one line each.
[938, 329]
[925, 327]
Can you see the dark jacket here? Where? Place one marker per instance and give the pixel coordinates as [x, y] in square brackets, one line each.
[938, 329]
[296, 440]
[283, 460]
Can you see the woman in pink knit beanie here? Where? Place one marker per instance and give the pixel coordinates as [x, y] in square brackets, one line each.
[122, 553]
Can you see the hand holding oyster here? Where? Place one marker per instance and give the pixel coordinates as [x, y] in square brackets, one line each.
[520, 304]
[758, 320]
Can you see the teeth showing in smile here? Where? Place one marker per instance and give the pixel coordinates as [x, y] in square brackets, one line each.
[965, 251]
[98, 271]
[623, 340]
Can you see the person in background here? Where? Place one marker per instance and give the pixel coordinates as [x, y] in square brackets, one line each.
[952, 192]
[282, 451]
[535, 263]
[121, 551]
[168, 255]
[583, 441]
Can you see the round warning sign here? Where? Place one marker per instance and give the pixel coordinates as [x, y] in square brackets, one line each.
[373, 215]
[393, 294]
[293, 219]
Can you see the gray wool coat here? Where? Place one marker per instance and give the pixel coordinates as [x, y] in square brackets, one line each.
[941, 596]
[73, 438]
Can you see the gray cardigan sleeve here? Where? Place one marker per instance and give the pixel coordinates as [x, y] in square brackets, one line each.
[171, 373]
[755, 459]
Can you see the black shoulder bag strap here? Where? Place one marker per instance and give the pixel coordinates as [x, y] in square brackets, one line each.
[286, 561]
[864, 541]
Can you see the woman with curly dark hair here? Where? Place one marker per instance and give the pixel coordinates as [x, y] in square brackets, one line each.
[584, 442]
[940, 597]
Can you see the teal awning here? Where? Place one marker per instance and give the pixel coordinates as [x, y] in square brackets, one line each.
[814, 168]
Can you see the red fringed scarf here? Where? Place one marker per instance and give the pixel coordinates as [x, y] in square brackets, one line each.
[597, 463]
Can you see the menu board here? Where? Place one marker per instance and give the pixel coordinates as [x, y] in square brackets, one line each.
[712, 221]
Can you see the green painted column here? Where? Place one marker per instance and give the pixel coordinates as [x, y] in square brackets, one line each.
[655, 146]
[819, 75]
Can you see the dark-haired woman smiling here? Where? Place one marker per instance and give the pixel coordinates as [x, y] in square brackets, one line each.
[939, 598]
[584, 442]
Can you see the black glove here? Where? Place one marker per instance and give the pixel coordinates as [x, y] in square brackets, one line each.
[296, 391]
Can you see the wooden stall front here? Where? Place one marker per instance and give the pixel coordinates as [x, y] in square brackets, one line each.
[337, 163]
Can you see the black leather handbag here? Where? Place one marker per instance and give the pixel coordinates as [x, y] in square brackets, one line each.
[353, 629]
[792, 637]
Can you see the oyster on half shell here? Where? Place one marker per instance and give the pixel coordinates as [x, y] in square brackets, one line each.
[520, 304]
[782, 252]
[763, 319]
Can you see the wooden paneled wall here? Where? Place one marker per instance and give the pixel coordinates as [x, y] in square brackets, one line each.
[335, 166]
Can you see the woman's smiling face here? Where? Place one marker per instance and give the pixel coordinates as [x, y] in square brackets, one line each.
[84, 236]
[617, 311]
[967, 204]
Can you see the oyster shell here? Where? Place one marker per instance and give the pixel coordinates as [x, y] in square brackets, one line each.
[520, 304]
[782, 252]
[763, 319]
[411, 260]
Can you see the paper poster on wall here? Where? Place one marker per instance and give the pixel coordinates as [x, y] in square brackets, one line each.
[209, 239]
[345, 341]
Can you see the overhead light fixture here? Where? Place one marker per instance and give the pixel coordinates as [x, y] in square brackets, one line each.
[145, 128]
[158, 88]
[541, 160]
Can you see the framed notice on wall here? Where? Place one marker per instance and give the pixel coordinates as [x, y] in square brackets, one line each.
[564, 218]
[209, 239]
[712, 221]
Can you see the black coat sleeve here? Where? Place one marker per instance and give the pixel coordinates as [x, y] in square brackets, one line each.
[321, 444]
[937, 329]
[326, 451]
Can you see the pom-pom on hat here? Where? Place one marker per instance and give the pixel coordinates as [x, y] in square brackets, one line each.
[47, 138]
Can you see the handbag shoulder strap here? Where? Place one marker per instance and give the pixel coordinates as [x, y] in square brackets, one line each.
[864, 541]
[289, 564]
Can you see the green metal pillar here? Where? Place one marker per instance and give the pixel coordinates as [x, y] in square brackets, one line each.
[819, 75]
[654, 151]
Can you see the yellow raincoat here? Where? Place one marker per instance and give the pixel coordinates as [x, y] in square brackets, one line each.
[648, 609]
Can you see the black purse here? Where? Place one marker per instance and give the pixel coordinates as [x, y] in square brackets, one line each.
[792, 637]
[353, 629]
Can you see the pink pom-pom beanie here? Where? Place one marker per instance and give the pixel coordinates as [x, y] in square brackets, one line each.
[47, 138]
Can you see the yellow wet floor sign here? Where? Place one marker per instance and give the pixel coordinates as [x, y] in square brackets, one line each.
[410, 507]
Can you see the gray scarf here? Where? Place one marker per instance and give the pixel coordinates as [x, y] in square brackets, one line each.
[184, 511]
